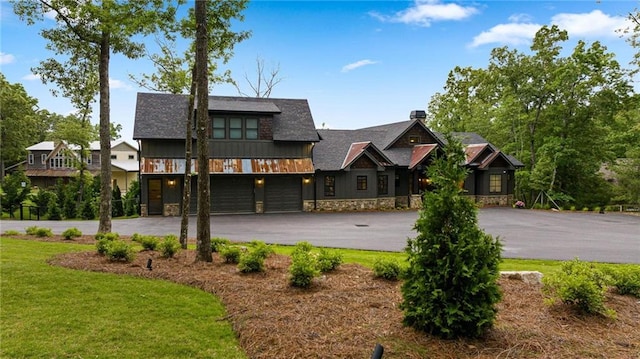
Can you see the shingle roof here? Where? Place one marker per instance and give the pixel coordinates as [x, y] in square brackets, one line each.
[160, 116]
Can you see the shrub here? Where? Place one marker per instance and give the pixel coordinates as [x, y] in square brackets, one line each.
[626, 280]
[328, 260]
[217, 244]
[118, 250]
[149, 243]
[573, 208]
[43, 232]
[387, 268]
[101, 245]
[579, 284]
[71, 233]
[111, 236]
[231, 254]
[252, 261]
[169, 246]
[261, 249]
[53, 209]
[88, 210]
[103, 240]
[136, 237]
[11, 232]
[31, 230]
[597, 209]
[450, 287]
[585, 209]
[303, 266]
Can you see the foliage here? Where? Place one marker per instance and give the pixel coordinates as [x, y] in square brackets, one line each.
[626, 280]
[88, 210]
[71, 233]
[53, 208]
[231, 254]
[11, 232]
[41, 198]
[579, 284]
[303, 266]
[251, 261]
[260, 248]
[328, 260]
[38, 231]
[31, 230]
[101, 245]
[119, 250]
[15, 189]
[149, 242]
[217, 243]
[131, 199]
[450, 287]
[111, 236]
[169, 246]
[117, 207]
[387, 268]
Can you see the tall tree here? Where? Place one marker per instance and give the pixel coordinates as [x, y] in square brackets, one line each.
[264, 83]
[203, 240]
[177, 74]
[84, 28]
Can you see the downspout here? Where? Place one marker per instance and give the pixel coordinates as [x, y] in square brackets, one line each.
[139, 179]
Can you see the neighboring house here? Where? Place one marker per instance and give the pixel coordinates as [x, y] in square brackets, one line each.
[49, 161]
[259, 154]
[265, 155]
[385, 166]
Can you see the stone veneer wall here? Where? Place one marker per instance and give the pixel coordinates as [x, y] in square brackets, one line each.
[338, 205]
[171, 209]
[402, 202]
[415, 201]
[143, 210]
[496, 200]
[259, 207]
[308, 206]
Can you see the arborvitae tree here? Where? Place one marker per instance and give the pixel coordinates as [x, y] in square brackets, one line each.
[117, 209]
[88, 210]
[451, 286]
[131, 199]
[53, 209]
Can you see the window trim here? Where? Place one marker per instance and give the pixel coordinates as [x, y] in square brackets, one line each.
[244, 130]
[495, 186]
[361, 183]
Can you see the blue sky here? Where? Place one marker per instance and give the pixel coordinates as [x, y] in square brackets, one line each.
[358, 63]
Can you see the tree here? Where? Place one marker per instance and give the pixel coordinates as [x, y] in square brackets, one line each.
[450, 288]
[18, 120]
[264, 84]
[92, 32]
[15, 189]
[172, 76]
[203, 240]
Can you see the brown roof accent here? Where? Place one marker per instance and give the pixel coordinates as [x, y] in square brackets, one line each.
[473, 151]
[56, 173]
[229, 165]
[487, 161]
[367, 148]
[354, 152]
[419, 153]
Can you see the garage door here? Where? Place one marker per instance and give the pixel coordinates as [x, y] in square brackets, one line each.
[283, 194]
[232, 194]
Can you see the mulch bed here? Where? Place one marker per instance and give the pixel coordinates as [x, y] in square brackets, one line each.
[346, 312]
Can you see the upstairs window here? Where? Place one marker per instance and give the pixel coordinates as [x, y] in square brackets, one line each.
[114, 157]
[31, 158]
[43, 159]
[132, 157]
[414, 140]
[235, 128]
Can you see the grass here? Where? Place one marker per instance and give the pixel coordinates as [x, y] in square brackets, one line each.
[56, 312]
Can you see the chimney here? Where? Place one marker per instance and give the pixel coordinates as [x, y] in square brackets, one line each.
[418, 114]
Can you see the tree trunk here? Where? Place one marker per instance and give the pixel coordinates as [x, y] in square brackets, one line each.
[203, 242]
[105, 138]
[186, 195]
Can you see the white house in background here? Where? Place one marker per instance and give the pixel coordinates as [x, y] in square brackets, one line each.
[48, 161]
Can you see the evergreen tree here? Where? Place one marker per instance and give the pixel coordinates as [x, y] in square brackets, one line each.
[88, 210]
[451, 286]
[117, 209]
[53, 209]
[131, 199]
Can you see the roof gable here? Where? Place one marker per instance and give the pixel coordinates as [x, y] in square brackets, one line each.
[419, 153]
[359, 149]
[401, 136]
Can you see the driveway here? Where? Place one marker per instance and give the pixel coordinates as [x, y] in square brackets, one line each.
[610, 237]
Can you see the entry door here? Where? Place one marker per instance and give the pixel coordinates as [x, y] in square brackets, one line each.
[155, 196]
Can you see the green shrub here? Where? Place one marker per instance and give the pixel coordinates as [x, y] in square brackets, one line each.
[101, 245]
[579, 284]
[149, 243]
[11, 232]
[118, 250]
[54, 212]
[387, 268]
[573, 208]
[328, 260]
[626, 280]
[136, 237]
[31, 230]
[71, 233]
[597, 209]
[217, 244]
[43, 232]
[111, 236]
[304, 266]
[260, 249]
[231, 254]
[169, 246]
[252, 261]
[87, 209]
[585, 209]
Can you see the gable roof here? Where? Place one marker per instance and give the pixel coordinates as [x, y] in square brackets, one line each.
[359, 149]
[161, 116]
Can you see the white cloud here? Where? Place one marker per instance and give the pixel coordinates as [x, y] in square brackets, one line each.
[31, 77]
[118, 84]
[512, 34]
[6, 58]
[520, 18]
[424, 12]
[355, 65]
[593, 24]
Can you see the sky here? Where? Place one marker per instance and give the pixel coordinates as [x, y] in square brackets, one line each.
[358, 63]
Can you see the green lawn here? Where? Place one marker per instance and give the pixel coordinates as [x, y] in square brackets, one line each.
[51, 312]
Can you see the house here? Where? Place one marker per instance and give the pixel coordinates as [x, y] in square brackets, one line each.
[384, 166]
[265, 155]
[259, 154]
[49, 161]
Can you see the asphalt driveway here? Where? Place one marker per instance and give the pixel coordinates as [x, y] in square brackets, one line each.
[610, 237]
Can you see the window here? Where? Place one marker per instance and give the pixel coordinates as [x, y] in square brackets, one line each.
[495, 183]
[132, 157]
[329, 186]
[414, 139]
[235, 128]
[60, 161]
[383, 184]
[43, 159]
[30, 158]
[89, 158]
[114, 157]
[361, 184]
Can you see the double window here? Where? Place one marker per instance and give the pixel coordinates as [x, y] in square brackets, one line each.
[329, 186]
[235, 128]
[495, 183]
